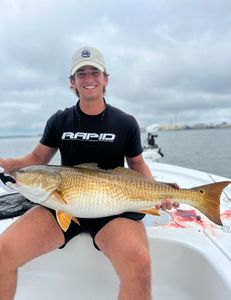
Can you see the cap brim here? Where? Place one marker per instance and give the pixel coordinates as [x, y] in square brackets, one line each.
[86, 63]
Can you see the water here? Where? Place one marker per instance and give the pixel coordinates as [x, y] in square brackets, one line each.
[206, 150]
[19, 146]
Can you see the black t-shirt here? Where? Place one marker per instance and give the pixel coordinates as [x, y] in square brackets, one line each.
[104, 139]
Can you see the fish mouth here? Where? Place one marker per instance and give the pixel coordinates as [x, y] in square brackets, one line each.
[6, 178]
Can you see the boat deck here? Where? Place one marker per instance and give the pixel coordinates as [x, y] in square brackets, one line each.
[191, 256]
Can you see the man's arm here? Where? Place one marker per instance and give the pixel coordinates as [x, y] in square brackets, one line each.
[138, 164]
[40, 155]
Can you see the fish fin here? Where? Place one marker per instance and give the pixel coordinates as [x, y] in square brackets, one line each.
[117, 171]
[59, 196]
[151, 211]
[211, 200]
[92, 166]
[74, 219]
[127, 172]
[64, 219]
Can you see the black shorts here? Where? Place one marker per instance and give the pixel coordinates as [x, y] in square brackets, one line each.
[92, 226]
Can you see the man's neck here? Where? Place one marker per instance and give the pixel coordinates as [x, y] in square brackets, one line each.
[92, 107]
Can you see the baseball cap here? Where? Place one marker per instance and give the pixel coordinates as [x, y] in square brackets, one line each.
[87, 56]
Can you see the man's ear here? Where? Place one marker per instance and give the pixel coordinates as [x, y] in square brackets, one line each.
[72, 83]
[106, 79]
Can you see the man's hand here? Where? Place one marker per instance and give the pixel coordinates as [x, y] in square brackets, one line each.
[167, 203]
[4, 165]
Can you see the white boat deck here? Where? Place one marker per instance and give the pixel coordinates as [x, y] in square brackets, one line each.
[191, 259]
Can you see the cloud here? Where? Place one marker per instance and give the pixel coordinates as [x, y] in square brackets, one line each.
[166, 59]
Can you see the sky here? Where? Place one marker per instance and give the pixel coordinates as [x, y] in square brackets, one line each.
[169, 60]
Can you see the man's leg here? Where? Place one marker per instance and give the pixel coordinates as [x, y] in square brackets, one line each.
[125, 243]
[32, 235]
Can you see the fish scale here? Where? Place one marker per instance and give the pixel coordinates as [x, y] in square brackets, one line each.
[88, 192]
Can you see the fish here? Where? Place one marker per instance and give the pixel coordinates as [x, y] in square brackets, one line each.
[86, 191]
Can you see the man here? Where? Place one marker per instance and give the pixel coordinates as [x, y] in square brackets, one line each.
[90, 131]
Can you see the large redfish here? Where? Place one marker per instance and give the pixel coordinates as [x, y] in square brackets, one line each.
[89, 192]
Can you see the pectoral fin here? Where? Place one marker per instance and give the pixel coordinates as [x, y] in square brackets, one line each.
[74, 219]
[64, 220]
[60, 197]
[151, 211]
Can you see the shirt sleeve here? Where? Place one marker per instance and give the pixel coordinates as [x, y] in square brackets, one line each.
[133, 144]
[50, 135]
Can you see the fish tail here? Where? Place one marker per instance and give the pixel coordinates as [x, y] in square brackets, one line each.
[210, 206]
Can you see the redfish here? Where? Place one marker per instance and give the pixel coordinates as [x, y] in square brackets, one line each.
[86, 191]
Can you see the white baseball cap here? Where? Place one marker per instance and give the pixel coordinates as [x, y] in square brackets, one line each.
[87, 56]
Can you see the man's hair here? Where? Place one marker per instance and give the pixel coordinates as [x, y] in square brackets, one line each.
[72, 77]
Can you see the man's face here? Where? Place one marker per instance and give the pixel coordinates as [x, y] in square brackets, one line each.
[90, 82]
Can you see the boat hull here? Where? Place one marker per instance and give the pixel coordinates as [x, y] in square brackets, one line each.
[181, 269]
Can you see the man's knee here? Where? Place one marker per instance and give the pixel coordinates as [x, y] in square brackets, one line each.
[141, 258]
[137, 264]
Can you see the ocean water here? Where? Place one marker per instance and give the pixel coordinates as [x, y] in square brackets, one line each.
[19, 146]
[207, 150]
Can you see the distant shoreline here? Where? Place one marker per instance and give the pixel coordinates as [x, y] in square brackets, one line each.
[19, 136]
[195, 126]
[167, 127]
[174, 127]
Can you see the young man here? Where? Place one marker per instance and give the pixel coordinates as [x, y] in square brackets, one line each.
[90, 131]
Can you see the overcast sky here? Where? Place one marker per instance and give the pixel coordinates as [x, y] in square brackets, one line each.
[169, 60]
